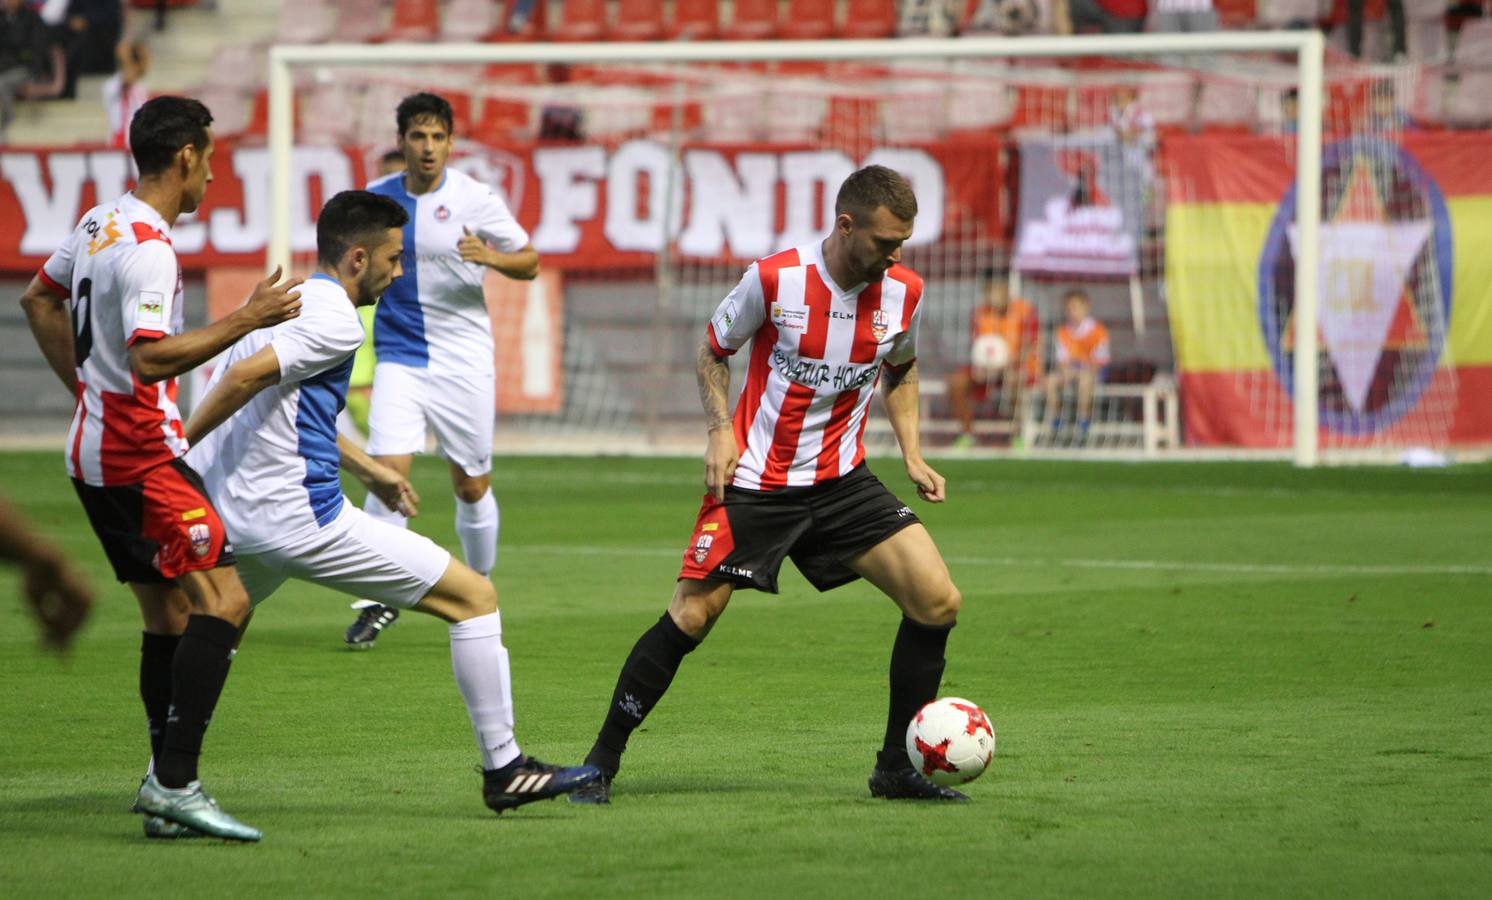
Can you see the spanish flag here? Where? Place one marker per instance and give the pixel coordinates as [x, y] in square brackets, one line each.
[1405, 288]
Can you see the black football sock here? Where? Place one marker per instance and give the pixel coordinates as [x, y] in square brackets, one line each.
[198, 673]
[645, 676]
[156, 653]
[916, 671]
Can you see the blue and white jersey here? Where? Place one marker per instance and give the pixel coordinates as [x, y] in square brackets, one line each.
[434, 316]
[271, 469]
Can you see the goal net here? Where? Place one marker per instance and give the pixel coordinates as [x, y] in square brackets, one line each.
[1115, 231]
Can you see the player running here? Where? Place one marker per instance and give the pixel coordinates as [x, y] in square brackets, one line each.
[118, 346]
[434, 337]
[273, 467]
[787, 477]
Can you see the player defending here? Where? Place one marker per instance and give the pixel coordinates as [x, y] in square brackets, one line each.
[434, 338]
[119, 347]
[787, 478]
[273, 466]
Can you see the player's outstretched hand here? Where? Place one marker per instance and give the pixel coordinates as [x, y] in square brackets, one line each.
[721, 456]
[931, 486]
[272, 303]
[472, 248]
[394, 490]
[60, 599]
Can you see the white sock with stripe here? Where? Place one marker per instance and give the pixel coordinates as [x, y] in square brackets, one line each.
[476, 526]
[376, 508]
[480, 662]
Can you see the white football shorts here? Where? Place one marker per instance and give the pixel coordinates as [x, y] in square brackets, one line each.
[459, 408]
[355, 554]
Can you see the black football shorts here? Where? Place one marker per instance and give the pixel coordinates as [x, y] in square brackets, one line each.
[745, 538]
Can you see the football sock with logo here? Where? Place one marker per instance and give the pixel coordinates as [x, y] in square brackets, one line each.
[156, 653]
[916, 671]
[376, 508]
[198, 672]
[476, 526]
[480, 662]
[645, 676]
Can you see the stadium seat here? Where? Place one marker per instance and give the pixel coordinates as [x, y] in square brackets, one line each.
[580, 20]
[735, 113]
[504, 120]
[697, 20]
[752, 20]
[637, 20]
[468, 20]
[808, 20]
[231, 62]
[415, 20]
[1239, 13]
[1425, 10]
[360, 21]
[869, 19]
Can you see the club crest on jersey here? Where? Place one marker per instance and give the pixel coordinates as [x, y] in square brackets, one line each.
[442, 213]
[880, 323]
[150, 309]
[201, 537]
[702, 547]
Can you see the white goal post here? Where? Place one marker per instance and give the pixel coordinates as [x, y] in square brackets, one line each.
[1306, 45]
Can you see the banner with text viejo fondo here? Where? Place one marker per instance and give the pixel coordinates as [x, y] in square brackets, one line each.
[586, 206]
[1405, 284]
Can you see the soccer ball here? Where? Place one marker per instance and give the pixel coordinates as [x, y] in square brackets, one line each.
[990, 353]
[950, 741]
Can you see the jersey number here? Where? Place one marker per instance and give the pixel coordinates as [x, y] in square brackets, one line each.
[83, 322]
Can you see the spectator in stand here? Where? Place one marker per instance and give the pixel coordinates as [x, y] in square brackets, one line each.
[1290, 111]
[928, 18]
[1020, 17]
[1131, 123]
[1189, 16]
[1107, 16]
[1000, 327]
[1385, 114]
[24, 55]
[125, 91]
[94, 28]
[1396, 26]
[1082, 350]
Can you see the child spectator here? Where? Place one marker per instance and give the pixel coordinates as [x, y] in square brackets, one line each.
[1082, 350]
[1012, 327]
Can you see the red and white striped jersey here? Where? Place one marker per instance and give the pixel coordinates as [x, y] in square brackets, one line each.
[120, 270]
[816, 357]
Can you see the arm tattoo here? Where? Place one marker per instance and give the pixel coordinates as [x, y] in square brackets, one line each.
[905, 378]
[714, 382]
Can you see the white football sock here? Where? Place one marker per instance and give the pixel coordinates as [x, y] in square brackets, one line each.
[480, 662]
[375, 508]
[476, 526]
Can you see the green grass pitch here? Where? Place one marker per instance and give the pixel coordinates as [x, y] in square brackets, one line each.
[1207, 680]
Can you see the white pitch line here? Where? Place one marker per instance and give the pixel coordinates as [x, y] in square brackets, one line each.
[1078, 563]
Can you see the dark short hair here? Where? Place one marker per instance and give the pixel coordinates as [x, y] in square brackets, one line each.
[354, 219]
[162, 127]
[392, 156]
[872, 187]
[424, 105]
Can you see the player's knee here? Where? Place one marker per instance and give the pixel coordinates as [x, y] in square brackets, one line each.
[231, 604]
[470, 490]
[941, 606]
[695, 611]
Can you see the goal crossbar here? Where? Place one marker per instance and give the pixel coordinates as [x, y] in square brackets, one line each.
[1308, 47]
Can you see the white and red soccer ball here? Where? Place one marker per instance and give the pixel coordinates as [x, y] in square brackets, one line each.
[950, 741]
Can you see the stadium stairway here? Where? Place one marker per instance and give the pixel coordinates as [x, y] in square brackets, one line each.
[181, 57]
